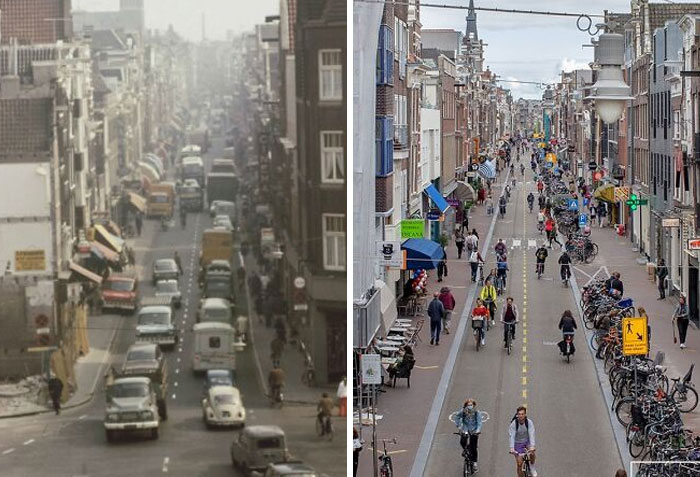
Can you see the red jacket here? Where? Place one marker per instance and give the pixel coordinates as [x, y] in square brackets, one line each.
[448, 301]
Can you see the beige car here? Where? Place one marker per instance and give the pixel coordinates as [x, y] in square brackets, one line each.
[257, 446]
[222, 406]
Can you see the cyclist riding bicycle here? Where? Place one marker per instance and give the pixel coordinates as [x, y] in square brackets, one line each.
[541, 201]
[522, 169]
[502, 205]
[502, 268]
[488, 296]
[509, 317]
[325, 410]
[480, 314]
[530, 200]
[521, 433]
[276, 381]
[567, 325]
[541, 255]
[540, 186]
[500, 247]
[565, 266]
[469, 422]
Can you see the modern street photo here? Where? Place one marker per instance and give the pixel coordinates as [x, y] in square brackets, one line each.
[173, 238]
[526, 236]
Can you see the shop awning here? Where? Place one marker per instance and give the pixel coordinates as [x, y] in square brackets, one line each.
[113, 228]
[465, 192]
[149, 172]
[388, 303]
[421, 253]
[605, 192]
[487, 169]
[437, 198]
[112, 241]
[137, 201]
[84, 272]
[155, 162]
[104, 252]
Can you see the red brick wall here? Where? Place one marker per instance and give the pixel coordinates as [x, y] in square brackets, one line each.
[384, 193]
[24, 125]
[26, 20]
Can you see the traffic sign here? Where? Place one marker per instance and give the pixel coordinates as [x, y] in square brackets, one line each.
[586, 200]
[572, 204]
[582, 220]
[592, 166]
[633, 202]
[634, 336]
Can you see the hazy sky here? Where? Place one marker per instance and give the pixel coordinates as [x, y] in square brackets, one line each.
[186, 15]
[527, 47]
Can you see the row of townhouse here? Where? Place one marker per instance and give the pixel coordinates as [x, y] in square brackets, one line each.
[79, 106]
[653, 151]
[434, 112]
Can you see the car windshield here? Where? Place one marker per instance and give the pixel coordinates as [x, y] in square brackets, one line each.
[166, 287]
[269, 443]
[159, 199]
[224, 399]
[139, 355]
[165, 265]
[119, 285]
[130, 390]
[154, 319]
[220, 381]
[190, 190]
[192, 168]
[218, 284]
[217, 313]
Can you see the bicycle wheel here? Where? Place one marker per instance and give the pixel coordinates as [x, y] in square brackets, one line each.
[637, 443]
[687, 399]
[623, 411]
[478, 339]
[467, 467]
[509, 343]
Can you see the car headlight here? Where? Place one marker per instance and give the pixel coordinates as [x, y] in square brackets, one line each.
[113, 417]
[146, 415]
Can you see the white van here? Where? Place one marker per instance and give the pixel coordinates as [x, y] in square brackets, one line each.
[214, 346]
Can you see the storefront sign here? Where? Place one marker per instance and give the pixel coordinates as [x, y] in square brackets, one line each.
[390, 254]
[454, 203]
[694, 244]
[433, 215]
[412, 228]
[371, 368]
[30, 260]
[671, 222]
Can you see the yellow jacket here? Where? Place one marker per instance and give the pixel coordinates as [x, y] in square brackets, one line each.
[488, 292]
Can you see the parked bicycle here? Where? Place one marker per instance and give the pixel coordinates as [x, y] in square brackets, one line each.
[386, 468]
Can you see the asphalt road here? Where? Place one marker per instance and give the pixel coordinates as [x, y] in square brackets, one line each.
[74, 444]
[573, 431]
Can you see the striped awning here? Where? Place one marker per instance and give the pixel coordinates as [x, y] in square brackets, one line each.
[104, 252]
[137, 201]
[84, 272]
[465, 192]
[487, 169]
[112, 241]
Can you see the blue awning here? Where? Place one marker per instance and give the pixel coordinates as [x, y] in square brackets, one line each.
[422, 253]
[437, 199]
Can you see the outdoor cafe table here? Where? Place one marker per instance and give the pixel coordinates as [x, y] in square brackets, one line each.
[388, 349]
[396, 338]
[397, 329]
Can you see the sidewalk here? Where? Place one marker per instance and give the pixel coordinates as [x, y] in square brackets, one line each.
[404, 412]
[616, 253]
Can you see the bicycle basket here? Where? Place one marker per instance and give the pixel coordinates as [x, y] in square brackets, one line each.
[477, 324]
[626, 303]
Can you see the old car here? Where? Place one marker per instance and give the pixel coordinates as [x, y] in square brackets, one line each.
[155, 324]
[223, 222]
[147, 360]
[132, 405]
[120, 292]
[215, 309]
[219, 377]
[257, 446]
[171, 289]
[227, 208]
[165, 269]
[287, 469]
[222, 406]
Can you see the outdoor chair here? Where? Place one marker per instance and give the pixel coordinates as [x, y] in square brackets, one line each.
[403, 371]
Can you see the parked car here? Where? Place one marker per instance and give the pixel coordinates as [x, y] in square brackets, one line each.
[165, 269]
[222, 406]
[120, 292]
[171, 289]
[287, 469]
[212, 207]
[257, 446]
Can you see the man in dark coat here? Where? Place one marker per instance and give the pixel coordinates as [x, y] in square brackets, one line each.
[436, 312]
[55, 390]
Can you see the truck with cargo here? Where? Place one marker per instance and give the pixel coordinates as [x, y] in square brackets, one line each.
[161, 200]
[192, 168]
[221, 186]
[216, 245]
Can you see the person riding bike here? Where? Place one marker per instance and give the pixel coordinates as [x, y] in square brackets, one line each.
[567, 323]
[541, 201]
[530, 200]
[540, 186]
[276, 381]
[502, 268]
[500, 247]
[565, 265]
[502, 205]
[509, 316]
[469, 422]
[541, 255]
[488, 296]
[480, 313]
[325, 410]
[521, 437]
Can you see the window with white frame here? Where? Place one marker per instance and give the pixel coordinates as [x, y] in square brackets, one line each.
[332, 157]
[334, 242]
[330, 70]
[677, 124]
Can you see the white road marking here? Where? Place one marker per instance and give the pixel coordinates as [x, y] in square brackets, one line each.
[8, 451]
[166, 461]
[173, 396]
[26, 443]
[516, 243]
[177, 371]
[175, 383]
[178, 360]
[179, 350]
[82, 417]
[531, 243]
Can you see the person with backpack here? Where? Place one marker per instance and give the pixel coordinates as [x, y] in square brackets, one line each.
[469, 422]
[521, 436]
[474, 260]
[541, 255]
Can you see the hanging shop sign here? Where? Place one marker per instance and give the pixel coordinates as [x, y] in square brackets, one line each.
[694, 244]
[412, 228]
[434, 215]
[389, 253]
[671, 222]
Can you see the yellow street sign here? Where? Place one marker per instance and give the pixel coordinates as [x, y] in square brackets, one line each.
[634, 336]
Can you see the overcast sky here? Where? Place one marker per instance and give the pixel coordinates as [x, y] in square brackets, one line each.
[186, 15]
[527, 47]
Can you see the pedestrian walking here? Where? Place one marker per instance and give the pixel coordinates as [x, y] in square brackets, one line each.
[474, 260]
[465, 219]
[459, 242]
[442, 266]
[448, 301]
[356, 449]
[621, 473]
[276, 348]
[139, 223]
[55, 391]
[592, 211]
[661, 274]
[602, 212]
[436, 311]
[680, 316]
